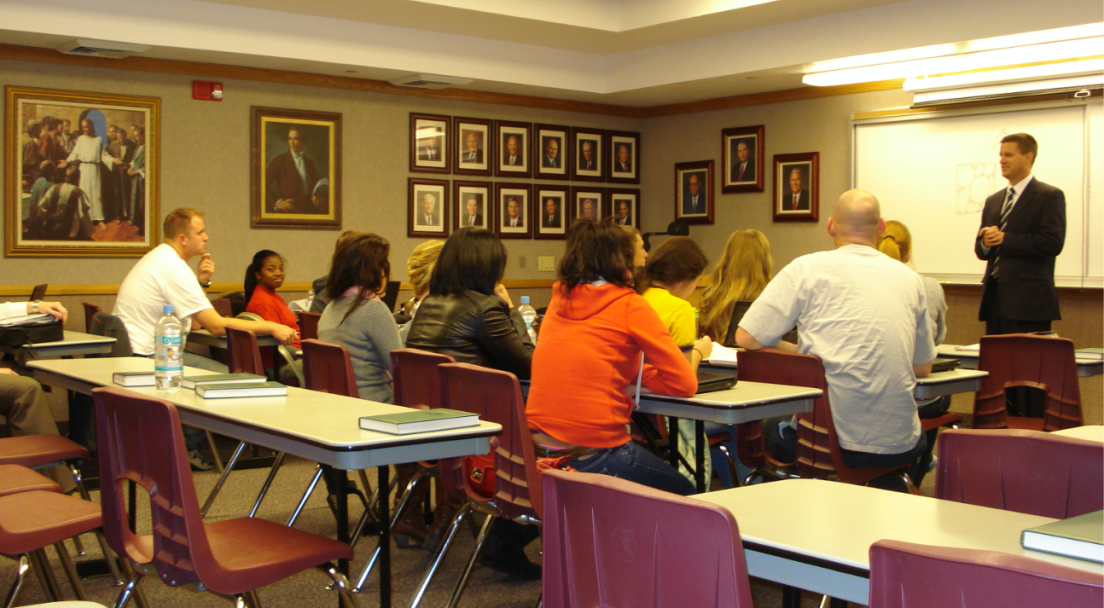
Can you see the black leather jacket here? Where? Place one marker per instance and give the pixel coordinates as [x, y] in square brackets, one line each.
[473, 328]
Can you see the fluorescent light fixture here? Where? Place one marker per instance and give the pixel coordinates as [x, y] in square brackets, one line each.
[1048, 71]
[1007, 89]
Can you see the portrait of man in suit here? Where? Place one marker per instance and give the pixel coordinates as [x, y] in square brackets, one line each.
[551, 216]
[290, 178]
[428, 214]
[588, 160]
[473, 148]
[551, 157]
[743, 169]
[511, 156]
[624, 159]
[588, 210]
[429, 147]
[624, 213]
[514, 217]
[472, 213]
[693, 198]
[796, 198]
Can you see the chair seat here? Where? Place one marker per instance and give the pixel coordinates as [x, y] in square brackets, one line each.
[934, 423]
[37, 450]
[1027, 424]
[15, 479]
[68, 605]
[32, 520]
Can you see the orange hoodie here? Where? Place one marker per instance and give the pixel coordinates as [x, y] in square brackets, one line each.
[589, 351]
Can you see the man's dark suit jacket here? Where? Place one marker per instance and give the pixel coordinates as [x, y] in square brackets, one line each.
[478, 157]
[749, 172]
[1033, 237]
[423, 153]
[802, 201]
[688, 207]
[434, 219]
[283, 181]
[548, 161]
[585, 165]
[478, 221]
[550, 221]
[622, 167]
[506, 159]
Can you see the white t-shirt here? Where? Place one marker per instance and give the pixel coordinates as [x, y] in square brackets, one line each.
[865, 315]
[159, 278]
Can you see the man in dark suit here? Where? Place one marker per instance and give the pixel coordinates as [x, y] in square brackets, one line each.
[514, 218]
[623, 164]
[291, 177]
[473, 151]
[429, 148]
[551, 158]
[1023, 229]
[797, 199]
[587, 162]
[693, 200]
[428, 216]
[551, 216]
[512, 155]
[622, 216]
[473, 217]
[743, 170]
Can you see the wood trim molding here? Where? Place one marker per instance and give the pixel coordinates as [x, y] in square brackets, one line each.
[1064, 293]
[16, 292]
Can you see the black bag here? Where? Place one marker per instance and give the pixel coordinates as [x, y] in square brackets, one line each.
[32, 334]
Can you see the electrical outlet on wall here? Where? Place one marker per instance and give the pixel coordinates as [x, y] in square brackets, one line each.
[546, 263]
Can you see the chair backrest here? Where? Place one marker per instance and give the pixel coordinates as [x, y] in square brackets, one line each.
[612, 542]
[222, 307]
[818, 450]
[328, 368]
[243, 353]
[1024, 471]
[415, 379]
[140, 440]
[907, 575]
[111, 326]
[39, 292]
[308, 325]
[90, 311]
[496, 396]
[1027, 360]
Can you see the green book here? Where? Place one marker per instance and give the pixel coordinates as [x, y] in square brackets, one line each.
[419, 421]
[234, 390]
[1080, 537]
[193, 381]
[134, 378]
[1089, 353]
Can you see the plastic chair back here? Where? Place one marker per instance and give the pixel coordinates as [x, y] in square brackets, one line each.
[496, 396]
[907, 575]
[818, 450]
[111, 326]
[328, 368]
[612, 542]
[308, 325]
[222, 307]
[243, 354]
[90, 311]
[1026, 360]
[414, 376]
[1024, 471]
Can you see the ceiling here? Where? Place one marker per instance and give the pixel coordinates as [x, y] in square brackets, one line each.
[637, 53]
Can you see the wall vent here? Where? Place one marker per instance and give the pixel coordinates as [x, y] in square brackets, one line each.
[430, 81]
[86, 47]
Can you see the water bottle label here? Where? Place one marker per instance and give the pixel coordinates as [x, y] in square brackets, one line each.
[174, 354]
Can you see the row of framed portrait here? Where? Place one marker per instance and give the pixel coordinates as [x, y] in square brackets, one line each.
[796, 189]
[513, 210]
[475, 146]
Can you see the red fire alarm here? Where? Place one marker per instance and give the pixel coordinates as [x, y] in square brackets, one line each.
[207, 91]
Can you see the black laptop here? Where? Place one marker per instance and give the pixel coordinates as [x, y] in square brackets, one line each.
[945, 365]
[709, 382]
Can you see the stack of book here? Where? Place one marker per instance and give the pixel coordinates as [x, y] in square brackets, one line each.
[419, 421]
[211, 386]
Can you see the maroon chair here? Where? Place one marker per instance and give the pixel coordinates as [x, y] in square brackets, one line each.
[1023, 471]
[15, 479]
[496, 396]
[308, 325]
[222, 307]
[1045, 363]
[907, 575]
[612, 542]
[90, 311]
[141, 441]
[818, 449]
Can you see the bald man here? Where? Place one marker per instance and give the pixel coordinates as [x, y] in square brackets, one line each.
[864, 315]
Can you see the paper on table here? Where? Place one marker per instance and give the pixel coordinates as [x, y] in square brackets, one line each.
[969, 347]
[722, 354]
[36, 319]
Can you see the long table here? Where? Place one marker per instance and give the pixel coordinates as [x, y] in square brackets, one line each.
[969, 360]
[815, 535]
[315, 426]
[73, 343]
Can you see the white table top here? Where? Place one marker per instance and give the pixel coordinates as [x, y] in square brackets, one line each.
[1091, 432]
[206, 338]
[969, 358]
[73, 343]
[320, 421]
[934, 385]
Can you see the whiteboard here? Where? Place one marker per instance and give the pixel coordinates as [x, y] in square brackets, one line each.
[934, 171]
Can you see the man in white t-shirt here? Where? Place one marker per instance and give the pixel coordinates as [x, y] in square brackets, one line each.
[864, 315]
[163, 277]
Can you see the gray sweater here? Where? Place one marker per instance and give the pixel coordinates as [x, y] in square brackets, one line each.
[370, 334]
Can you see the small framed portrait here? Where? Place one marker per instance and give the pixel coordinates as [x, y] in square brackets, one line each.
[797, 187]
[587, 147]
[429, 143]
[514, 213]
[742, 159]
[473, 146]
[285, 196]
[551, 146]
[513, 149]
[472, 204]
[694, 192]
[624, 157]
[624, 204]
[427, 208]
[588, 203]
[552, 203]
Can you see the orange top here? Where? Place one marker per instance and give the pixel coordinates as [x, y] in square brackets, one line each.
[271, 307]
[588, 353]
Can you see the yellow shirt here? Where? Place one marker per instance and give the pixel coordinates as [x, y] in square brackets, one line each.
[677, 314]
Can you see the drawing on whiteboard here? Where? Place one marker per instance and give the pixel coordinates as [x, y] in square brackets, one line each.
[973, 183]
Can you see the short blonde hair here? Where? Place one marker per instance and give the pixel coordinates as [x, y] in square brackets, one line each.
[420, 265]
[896, 242]
[178, 221]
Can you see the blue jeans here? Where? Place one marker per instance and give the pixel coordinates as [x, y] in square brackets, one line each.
[635, 463]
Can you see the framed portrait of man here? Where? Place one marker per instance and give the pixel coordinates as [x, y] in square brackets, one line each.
[624, 204]
[515, 219]
[694, 192]
[429, 143]
[81, 174]
[296, 169]
[472, 204]
[552, 207]
[588, 203]
[552, 151]
[473, 147]
[588, 149]
[742, 159]
[427, 208]
[513, 149]
[797, 187]
[624, 157]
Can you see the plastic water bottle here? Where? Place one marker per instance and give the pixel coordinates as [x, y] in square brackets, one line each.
[529, 315]
[168, 351]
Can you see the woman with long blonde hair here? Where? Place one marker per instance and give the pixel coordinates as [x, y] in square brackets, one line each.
[741, 275]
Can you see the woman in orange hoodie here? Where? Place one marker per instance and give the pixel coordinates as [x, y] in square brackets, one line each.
[589, 353]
